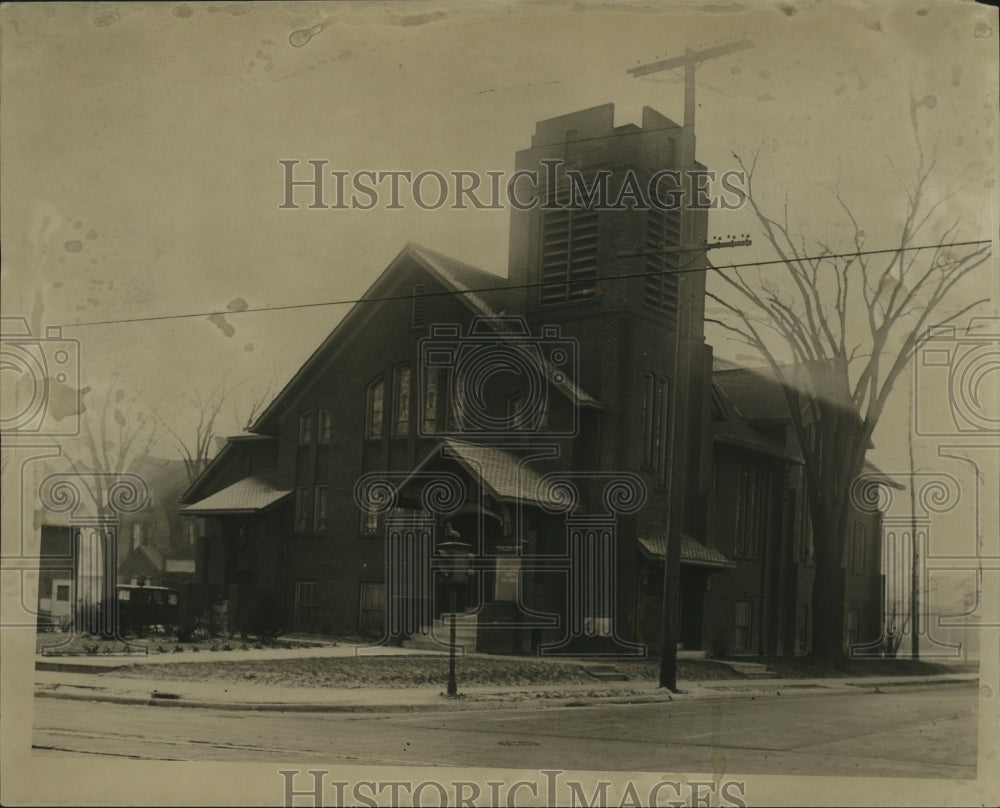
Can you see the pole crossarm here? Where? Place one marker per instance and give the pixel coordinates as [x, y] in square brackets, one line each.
[690, 58]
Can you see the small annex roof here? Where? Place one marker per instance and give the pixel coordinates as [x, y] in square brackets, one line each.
[249, 495]
[693, 552]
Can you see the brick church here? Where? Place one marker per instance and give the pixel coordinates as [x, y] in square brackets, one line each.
[532, 418]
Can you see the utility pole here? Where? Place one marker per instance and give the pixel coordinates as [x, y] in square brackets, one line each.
[678, 395]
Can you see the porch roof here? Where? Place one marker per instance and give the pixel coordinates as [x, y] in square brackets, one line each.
[502, 473]
[693, 552]
[249, 495]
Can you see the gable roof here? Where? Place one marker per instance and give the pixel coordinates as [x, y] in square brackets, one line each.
[755, 392]
[758, 396]
[143, 561]
[489, 301]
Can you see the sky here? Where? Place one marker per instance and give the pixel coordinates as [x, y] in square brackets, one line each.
[140, 175]
[141, 146]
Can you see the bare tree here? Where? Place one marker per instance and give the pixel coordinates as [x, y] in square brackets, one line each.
[850, 325]
[197, 447]
[116, 437]
[256, 406]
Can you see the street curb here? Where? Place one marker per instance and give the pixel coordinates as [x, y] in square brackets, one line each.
[583, 700]
[78, 667]
[288, 707]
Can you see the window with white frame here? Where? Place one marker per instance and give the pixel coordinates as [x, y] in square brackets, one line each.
[305, 429]
[324, 427]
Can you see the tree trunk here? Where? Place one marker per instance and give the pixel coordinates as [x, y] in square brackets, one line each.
[828, 603]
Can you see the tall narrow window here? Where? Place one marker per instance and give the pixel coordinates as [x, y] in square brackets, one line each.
[301, 509]
[431, 403]
[305, 429]
[754, 500]
[373, 408]
[319, 514]
[401, 402]
[418, 306]
[324, 427]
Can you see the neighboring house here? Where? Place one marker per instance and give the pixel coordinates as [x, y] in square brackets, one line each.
[82, 562]
[143, 567]
[530, 418]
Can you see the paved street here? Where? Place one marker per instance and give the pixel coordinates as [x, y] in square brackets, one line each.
[902, 732]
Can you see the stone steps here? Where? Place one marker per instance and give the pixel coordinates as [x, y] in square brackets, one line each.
[752, 670]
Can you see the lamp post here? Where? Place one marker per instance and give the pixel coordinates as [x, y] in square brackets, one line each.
[455, 569]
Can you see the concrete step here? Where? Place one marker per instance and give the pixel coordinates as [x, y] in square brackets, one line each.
[752, 670]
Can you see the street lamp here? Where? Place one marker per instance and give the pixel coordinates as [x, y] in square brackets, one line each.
[456, 567]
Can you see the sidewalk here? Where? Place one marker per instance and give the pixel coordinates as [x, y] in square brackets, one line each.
[74, 678]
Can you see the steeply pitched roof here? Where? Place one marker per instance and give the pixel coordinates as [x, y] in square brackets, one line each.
[249, 495]
[454, 276]
[143, 561]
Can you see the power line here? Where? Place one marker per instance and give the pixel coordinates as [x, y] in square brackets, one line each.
[511, 287]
